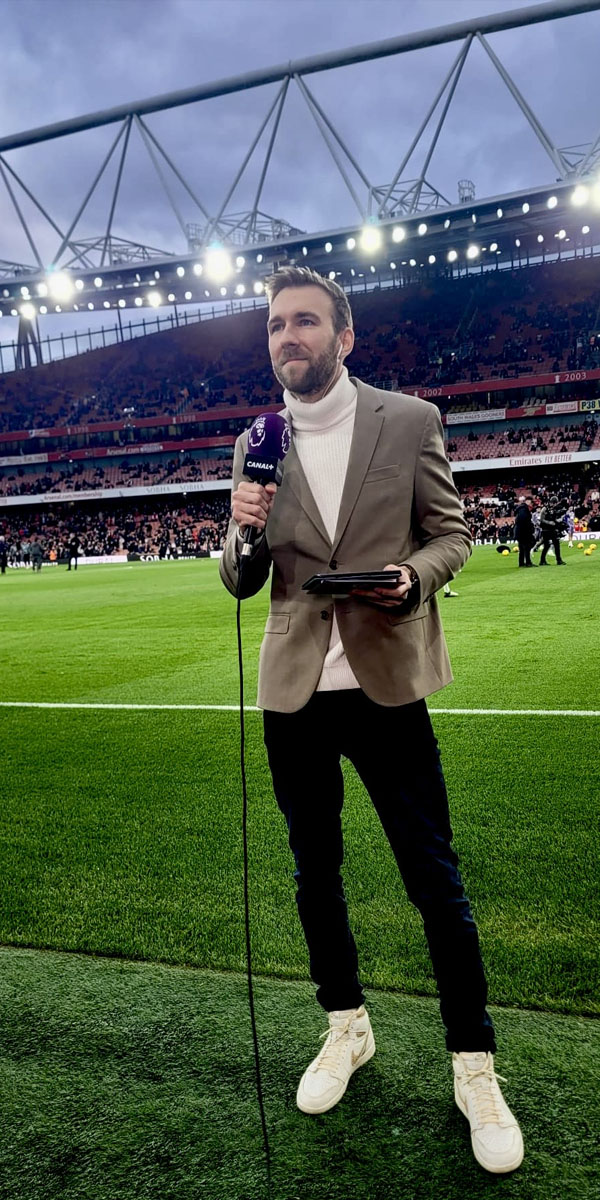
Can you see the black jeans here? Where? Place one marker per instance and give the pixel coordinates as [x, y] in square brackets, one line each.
[396, 755]
[551, 539]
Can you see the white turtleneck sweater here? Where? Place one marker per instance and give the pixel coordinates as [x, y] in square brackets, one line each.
[322, 435]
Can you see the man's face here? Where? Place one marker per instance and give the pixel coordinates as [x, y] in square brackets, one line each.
[303, 345]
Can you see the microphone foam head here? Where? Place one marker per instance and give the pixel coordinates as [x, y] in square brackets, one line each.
[271, 435]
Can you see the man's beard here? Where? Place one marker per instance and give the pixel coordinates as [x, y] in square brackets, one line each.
[317, 375]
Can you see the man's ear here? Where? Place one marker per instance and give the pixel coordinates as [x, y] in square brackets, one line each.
[346, 342]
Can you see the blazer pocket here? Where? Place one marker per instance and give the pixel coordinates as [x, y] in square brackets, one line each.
[405, 618]
[277, 623]
[391, 472]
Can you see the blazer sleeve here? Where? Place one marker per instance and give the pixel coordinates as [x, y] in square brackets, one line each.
[257, 565]
[438, 521]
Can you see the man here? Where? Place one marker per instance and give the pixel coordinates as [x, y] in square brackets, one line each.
[366, 486]
[551, 524]
[524, 532]
[37, 554]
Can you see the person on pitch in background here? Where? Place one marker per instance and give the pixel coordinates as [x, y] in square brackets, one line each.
[366, 485]
[524, 532]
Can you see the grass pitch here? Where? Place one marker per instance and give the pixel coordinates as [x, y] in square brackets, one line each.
[120, 839]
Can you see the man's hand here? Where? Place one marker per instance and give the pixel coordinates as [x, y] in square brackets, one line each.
[388, 597]
[251, 504]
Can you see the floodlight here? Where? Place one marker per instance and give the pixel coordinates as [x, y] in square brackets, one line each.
[170, 297]
[494, 247]
[98, 281]
[259, 287]
[370, 238]
[517, 241]
[240, 261]
[372, 269]
[13, 312]
[332, 274]
[413, 262]
[60, 286]
[431, 259]
[422, 229]
[474, 218]
[304, 251]
[552, 201]
[218, 264]
[107, 303]
[393, 266]
[350, 244]
[352, 271]
[25, 293]
[452, 256]
[447, 223]
[197, 268]
[121, 304]
[28, 311]
[585, 229]
[207, 293]
[57, 308]
[472, 251]
[540, 237]
[138, 302]
[154, 299]
[580, 196]
[398, 233]
[90, 305]
[42, 289]
[328, 247]
[188, 296]
[223, 291]
[239, 291]
[157, 274]
[562, 233]
[499, 212]
[79, 284]
[181, 272]
[525, 207]
[43, 309]
[259, 258]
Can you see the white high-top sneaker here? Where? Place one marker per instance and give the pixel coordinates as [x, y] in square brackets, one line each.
[495, 1134]
[350, 1043]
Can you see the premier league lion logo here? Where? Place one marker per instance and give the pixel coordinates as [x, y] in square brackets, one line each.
[257, 433]
[286, 439]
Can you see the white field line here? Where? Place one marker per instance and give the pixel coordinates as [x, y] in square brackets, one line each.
[457, 712]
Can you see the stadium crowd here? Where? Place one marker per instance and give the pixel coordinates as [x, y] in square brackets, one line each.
[162, 528]
[198, 525]
[497, 324]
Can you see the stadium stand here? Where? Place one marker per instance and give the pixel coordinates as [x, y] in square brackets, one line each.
[164, 410]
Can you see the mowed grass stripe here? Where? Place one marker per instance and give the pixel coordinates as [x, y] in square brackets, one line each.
[124, 1079]
[463, 712]
[165, 633]
[122, 837]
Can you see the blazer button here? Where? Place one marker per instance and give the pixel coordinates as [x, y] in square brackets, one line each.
[324, 615]
[333, 565]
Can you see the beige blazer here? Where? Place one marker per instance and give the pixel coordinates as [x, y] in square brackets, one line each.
[399, 505]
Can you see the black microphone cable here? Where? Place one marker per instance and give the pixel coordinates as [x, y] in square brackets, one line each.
[261, 1106]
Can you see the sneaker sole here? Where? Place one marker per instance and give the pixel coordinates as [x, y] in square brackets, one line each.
[493, 1168]
[314, 1111]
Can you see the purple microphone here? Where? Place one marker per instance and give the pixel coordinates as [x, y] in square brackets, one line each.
[269, 440]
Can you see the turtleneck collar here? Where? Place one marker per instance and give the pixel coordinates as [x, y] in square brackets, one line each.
[336, 407]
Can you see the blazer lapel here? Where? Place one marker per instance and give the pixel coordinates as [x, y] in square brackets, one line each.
[367, 427]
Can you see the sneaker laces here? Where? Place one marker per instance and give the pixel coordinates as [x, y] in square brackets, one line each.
[334, 1050]
[485, 1092]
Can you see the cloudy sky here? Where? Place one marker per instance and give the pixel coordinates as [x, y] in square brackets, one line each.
[64, 58]
[61, 58]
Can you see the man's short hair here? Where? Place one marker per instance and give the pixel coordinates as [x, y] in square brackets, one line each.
[287, 277]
